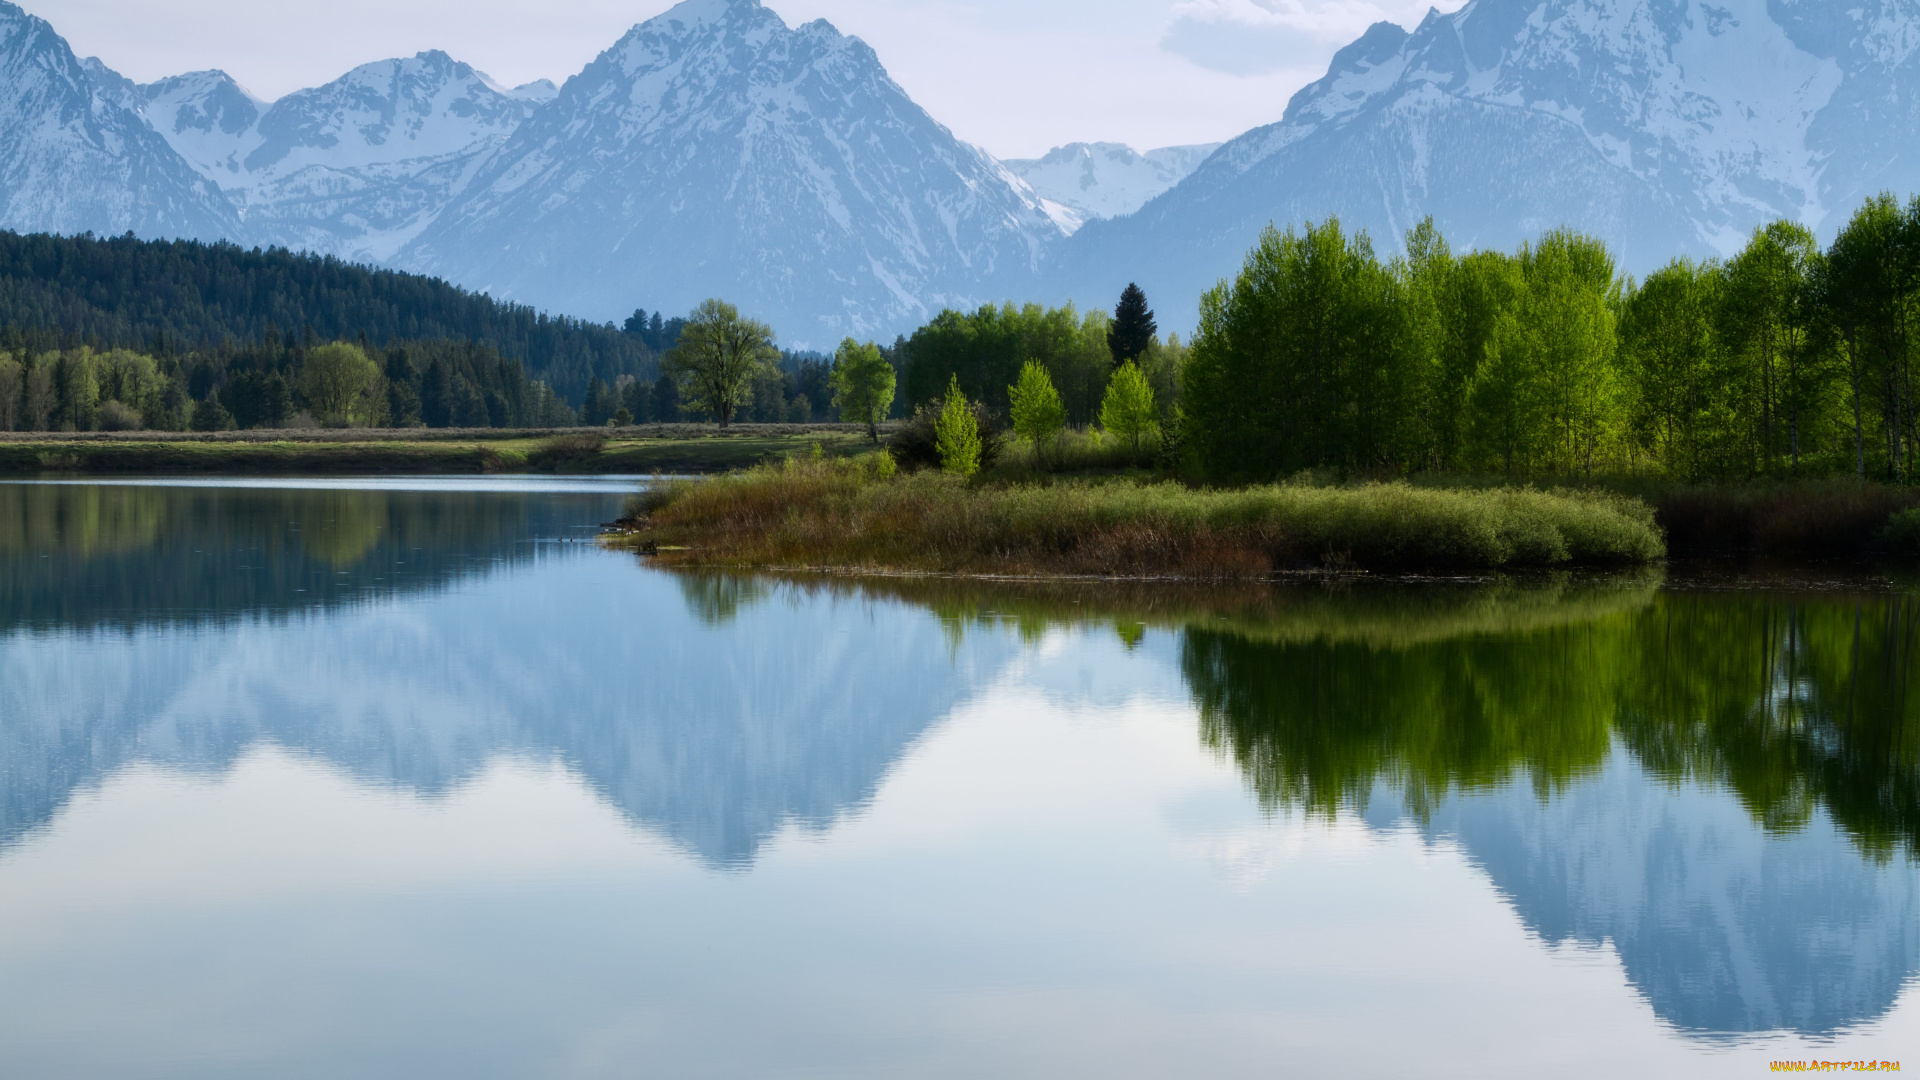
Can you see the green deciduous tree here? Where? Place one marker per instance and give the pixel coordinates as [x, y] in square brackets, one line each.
[1868, 293]
[1037, 412]
[957, 433]
[1770, 328]
[1304, 359]
[342, 385]
[987, 348]
[717, 358]
[1672, 356]
[1128, 410]
[863, 385]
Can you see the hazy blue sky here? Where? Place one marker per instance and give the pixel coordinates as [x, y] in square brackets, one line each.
[1014, 76]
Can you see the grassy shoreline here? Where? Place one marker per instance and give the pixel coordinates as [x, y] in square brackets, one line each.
[853, 515]
[653, 448]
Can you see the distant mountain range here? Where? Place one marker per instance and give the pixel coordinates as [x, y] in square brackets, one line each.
[714, 150]
[1082, 182]
[1665, 127]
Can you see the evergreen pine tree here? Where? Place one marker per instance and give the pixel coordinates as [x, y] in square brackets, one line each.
[210, 415]
[596, 408]
[666, 401]
[1133, 326]
[436, 396]
[637, 398]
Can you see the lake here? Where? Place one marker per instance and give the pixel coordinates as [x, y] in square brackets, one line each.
[412, 778]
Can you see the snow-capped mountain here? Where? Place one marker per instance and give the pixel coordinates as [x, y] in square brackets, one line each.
[75, 156]
[539, 91]
[354, 168]
[1082, 182]
[714, 151]
[1666, 127]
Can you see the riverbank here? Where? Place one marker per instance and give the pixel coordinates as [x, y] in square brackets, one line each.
[856, 515]
[652, 448]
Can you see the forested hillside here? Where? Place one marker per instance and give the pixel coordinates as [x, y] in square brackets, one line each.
[170, 297]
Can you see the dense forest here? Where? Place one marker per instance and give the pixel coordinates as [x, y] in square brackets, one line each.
[167, 298]
[1785, 360]
[121, 333]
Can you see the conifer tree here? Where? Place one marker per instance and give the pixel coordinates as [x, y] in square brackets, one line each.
[666, 401]
[595, 409]
[436, 395]
[210, 415]
[1133, 326]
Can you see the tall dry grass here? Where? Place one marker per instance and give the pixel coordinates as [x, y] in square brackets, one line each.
[843, 514]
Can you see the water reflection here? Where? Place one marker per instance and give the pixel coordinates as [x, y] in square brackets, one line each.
[1722, 787]
[186, 626]
[130, 555]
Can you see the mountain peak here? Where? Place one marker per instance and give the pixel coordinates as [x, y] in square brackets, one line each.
[1084, 182]
[714, 151]
[75, 154]
[702, 12]
[539, 90]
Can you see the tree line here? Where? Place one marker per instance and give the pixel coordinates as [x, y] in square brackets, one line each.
[168, 297]
[1785, 360]
[280, 382]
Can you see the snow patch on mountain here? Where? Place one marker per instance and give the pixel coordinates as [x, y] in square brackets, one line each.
[74, 156]
[715, 151]
[539, 91]
[1082, 182]
[356, 167]
[1665, 127]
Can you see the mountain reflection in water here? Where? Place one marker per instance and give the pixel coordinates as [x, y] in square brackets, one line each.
[1724, 787]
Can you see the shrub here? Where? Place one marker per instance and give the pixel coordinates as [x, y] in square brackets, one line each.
[564, 451]
[915, 444]
[1901, 534]
[117, 416]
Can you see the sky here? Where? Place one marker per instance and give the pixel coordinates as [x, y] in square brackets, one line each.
[1015, 77]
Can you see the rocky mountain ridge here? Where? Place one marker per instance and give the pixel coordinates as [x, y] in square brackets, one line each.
[717, 151]
[1665, 127]
[1082, 182]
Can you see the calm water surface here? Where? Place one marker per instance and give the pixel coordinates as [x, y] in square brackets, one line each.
[410, 778]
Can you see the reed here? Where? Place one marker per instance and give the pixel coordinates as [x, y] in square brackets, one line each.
[846, 514]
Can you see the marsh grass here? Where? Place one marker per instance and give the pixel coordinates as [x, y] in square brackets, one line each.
[563, 451]
[1844, 517]
[1086, 450]
[841, 514]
